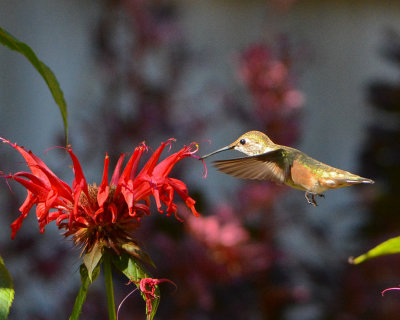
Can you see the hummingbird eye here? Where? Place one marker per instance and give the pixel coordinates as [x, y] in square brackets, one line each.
[242, 141]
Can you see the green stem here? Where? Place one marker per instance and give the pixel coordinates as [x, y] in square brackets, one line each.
[109, 287]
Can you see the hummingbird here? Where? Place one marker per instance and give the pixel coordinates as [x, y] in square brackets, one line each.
[266, 160]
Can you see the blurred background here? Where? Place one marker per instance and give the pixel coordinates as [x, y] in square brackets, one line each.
[321, 76]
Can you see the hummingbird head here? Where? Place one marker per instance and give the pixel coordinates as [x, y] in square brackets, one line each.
[251, 143]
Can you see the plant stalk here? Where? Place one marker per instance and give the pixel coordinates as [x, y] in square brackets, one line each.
[109, 287]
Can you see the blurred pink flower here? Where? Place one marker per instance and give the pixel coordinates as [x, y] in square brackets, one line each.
[228, 242]
[255, 195]
[152, 24]
[268, 79]
[214, 233]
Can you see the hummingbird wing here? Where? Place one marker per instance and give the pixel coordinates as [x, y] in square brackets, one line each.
[271, 165]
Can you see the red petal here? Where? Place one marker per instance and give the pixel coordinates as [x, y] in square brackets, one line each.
[181, 189]
[131, 166]
[79, 185]
[16, 225]
[56, 183]
[102, 193]
[151, 163]
[38, 190]
[28, 203]
[127, 192]
[164, 167]
[156, 195]
[55, 215]
[141, 189]
[142, 207]
[39, 169]
[130, 170]
[48, 204]
[117, 170]
[169, 198]
[61, 217]
[114, 212]
[25, 208]
[79, 181]
[30, 159]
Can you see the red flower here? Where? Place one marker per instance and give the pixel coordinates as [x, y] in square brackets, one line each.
[148, 287]
[108, 213]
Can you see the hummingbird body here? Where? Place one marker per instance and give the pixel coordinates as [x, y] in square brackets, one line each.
[269, 161]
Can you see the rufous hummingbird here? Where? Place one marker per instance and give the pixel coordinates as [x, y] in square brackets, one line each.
[269, 161]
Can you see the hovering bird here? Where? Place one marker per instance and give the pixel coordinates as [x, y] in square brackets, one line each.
[269, 161]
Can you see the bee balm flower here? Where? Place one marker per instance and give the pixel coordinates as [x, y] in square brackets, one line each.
[105, 214]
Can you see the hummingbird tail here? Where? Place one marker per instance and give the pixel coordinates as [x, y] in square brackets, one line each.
[361, 180]
[351, 181]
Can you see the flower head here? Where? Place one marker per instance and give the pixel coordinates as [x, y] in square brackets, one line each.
[105, 214]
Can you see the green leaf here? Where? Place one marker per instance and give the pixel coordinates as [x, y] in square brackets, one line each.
[6, 291]
[11, 42]
[390, 246]
[81, 297]
[92, 259]
[134, 250]
[129, 266]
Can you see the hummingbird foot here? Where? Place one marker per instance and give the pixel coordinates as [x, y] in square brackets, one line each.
[311, 197]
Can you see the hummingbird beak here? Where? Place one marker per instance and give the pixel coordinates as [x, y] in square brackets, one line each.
[217, 151]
